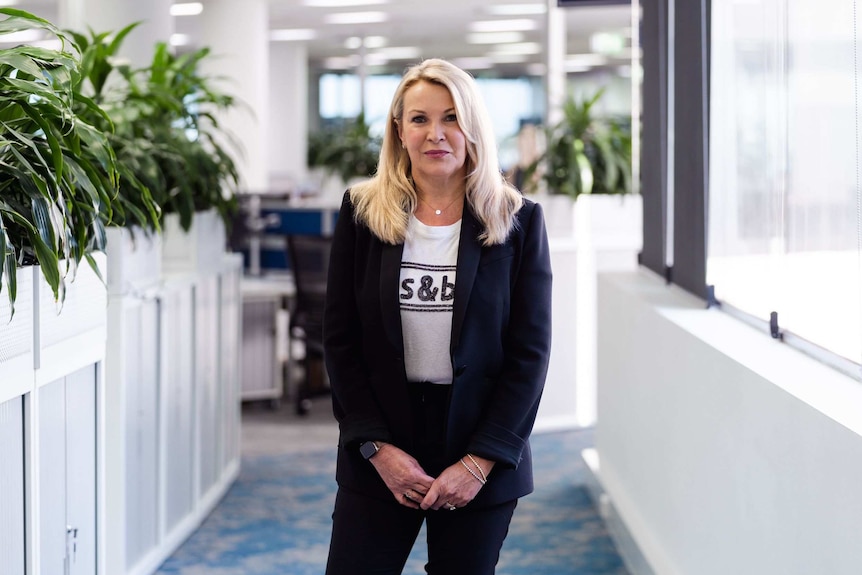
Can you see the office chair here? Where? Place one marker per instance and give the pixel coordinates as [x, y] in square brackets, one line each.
[309, 260]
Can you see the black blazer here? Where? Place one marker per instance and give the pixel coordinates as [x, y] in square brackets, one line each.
[500, 343]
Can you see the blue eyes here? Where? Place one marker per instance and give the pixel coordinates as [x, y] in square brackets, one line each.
[423, 119]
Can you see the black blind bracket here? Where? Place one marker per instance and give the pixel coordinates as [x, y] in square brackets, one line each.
[710, 297]
[668, 274]
[773, 326]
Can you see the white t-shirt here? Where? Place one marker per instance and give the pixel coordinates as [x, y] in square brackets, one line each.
[426, 295]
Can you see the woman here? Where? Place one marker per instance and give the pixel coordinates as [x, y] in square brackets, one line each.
[437, 335]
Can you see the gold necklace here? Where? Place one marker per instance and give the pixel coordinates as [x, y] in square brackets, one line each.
[436, 211]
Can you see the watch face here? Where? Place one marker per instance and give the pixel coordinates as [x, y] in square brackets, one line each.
[368, 449]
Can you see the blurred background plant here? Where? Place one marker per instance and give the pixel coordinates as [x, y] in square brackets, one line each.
[172, 154]
[175, 107]
[585, 153]
[103, 80]
[345, 148]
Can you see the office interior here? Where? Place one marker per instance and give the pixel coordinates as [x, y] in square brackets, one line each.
[709, 326]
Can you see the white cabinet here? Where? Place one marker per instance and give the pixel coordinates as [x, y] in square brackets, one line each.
[142, 420]
[207, 378]
[177, 402]
[12, 473]
[67, 469]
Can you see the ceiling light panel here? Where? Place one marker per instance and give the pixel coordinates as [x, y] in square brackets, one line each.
[370, 42]
[519, 48]
[292, 35]
[400, 53]
[180, 40]
[533, 9]
[476, 63]
[511, 25]
[341, 63]
[187, 9]
[343, 3]
[355, 18]
[588, 60]
[495, 37]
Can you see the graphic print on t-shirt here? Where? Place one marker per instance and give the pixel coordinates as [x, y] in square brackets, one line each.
[427, 288]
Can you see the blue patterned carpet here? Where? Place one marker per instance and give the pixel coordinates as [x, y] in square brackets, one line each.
[275, 520]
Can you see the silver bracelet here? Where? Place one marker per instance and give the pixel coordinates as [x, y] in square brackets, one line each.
[473, 473]
[479, 467]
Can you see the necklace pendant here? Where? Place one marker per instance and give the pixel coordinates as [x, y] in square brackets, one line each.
[438, 212]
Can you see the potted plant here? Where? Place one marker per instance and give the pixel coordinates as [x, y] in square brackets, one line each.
[176, 108]
[586, 154]
[346, 149]
[133, 247]
[58, 172]
[137, 169]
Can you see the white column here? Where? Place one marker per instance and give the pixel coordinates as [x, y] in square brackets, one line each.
[156, 23]
[555, 73]
[288, 115]
[238, 38]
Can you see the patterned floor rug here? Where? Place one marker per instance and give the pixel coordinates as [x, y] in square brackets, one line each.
[275, 520]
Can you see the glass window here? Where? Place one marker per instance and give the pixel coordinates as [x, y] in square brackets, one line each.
[784, 231]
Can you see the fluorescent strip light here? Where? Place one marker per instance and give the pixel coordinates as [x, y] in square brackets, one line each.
[9, 2]
[187, 9]
[372, 42]
[343, 3]
[519, 48]
[400, 53]
[355, 18]
[509, 58]
[376, 60]
[341, 63]
[516, 25]
[517, 9]
[478, 63]
[180, 40]
[589, 60]
[292, 35]
[494, 37]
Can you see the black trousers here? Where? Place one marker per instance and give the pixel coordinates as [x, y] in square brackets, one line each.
[374, 537]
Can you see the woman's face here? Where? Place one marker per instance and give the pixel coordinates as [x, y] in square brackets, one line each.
[429, 130]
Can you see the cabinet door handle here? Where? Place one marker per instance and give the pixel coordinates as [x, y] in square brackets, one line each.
[71, 545]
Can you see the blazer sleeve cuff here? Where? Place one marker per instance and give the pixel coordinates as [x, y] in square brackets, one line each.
[499, 444]
[354, 430]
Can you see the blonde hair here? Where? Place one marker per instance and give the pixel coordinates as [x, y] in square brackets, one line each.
[384, 203]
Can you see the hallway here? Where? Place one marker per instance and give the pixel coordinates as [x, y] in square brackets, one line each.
[275, 518]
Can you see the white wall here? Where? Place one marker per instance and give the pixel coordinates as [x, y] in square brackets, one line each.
[722, 450]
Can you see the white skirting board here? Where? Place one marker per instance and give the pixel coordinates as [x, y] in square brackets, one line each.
[635, 561]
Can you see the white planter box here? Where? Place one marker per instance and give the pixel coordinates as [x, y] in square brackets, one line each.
[72, 334]
[16, 337]
[608, 224]
[134, 259]
[201, 249]
[595, 234]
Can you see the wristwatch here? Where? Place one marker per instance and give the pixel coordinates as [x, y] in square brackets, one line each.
[369, 449]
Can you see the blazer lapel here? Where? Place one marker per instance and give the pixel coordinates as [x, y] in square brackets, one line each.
[390, 273]
[469, 251]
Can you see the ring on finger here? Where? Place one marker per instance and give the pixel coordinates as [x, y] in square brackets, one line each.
[408, 498]
[450, 507]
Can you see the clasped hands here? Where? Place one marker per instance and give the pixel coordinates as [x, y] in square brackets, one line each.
[412, 487]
